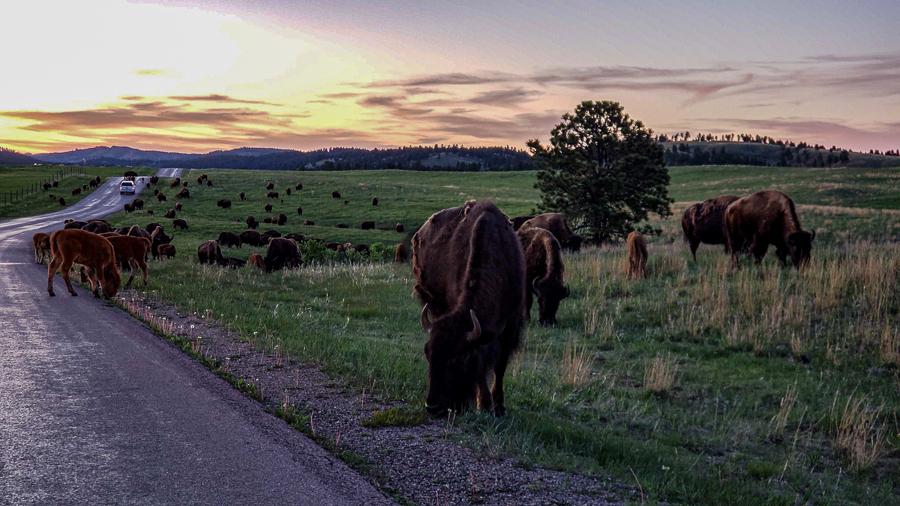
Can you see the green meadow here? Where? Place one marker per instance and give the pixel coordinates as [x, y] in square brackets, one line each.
[24, 179]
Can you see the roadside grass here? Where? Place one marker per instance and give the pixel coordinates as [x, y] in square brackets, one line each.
[14, 179]
[775, 386]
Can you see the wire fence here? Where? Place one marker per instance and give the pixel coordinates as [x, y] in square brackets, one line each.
[41, 185]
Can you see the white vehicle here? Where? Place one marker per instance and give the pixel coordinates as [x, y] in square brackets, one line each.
[126, 188]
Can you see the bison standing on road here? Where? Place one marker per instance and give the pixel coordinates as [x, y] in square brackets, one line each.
[557, 225]
[210, 253]
[95, 253]
[636, 246]
[41, 243]
[470, 278]
[704, 222]
[544, 272]
[282, 254]
[754, 222]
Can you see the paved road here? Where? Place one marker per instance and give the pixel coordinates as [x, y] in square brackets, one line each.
[95, 409]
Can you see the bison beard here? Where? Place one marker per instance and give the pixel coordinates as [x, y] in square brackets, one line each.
[470, 278]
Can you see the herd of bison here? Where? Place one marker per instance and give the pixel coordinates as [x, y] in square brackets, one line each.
[476, 271]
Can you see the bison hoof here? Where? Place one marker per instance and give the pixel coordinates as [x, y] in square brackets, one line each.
[499, 411]
[52, 294]
[73, 294]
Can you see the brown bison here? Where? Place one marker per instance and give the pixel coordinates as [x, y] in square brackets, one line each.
[166, 251]
[152, 226]
[335, 195]
[234, 263]
[62, 202]
[183, 194]
[288, 191]
[300, 238]
[271, 233]
[470, 278]
[300, 211]
[270, 185]
[519, 220]
[179, 224]
[41, 243]
[251, 222]
[131, 252]
[401, 253]
[170, 214]
[76, 191]
[95, 253]
[158, 238]
[754, 222]
[299, 186]
[268, 208]
[138, 204]
[224, 203]
[175, 183]
[253, 238]
[282, 219]
[367, 225]
[161, 197]
[97, 226]
[256, 260]
[154, 179]
[229, 240]
[75, 224]
[374, 201]
[544, 273]
[557, 225]
[136, 231]
[242, 196]
[178, 206]
[272, 195]
[282, 254]
[309, 223]
[636, 246]
[342, 225]
[128, 208]
[704, 222]
[210, 253]
[399, 228]
[209, 183]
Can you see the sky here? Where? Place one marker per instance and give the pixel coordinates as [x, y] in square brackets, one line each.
[201, 75]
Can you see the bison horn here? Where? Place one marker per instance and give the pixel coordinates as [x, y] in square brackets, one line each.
[425, 318]
[476, 328]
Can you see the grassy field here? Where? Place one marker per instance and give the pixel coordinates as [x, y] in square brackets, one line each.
[696, 384]
[22, 179]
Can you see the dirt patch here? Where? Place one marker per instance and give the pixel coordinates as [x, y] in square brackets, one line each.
[420, 464]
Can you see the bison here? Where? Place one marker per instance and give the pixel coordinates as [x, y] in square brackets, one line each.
[754, 222]
[288, 192]
[179, 224]
[76, 191]
[704, 222]
[161, 197]
[209, 183]
[282, 219]
[136, 231]
[557, 225]
[636, 246]
[178, 207]
[128, 208]
[253, 238]
[157, 238]
[154, 179]
[170, 214]
[234, 263]
[256, 260]
[152, 226]
[166, 251]
[470, 277]
[199, 179]
[299, 186]
[519, 220]
[242, 196]
[41, 243]
[399, 228]
[267, 219]
[270, 185]
[401, 253]
[223, 203]
[268, 208]
[175, 183]
[131, 251]
[229, 240]
[282, 254]
[300, 211]
[90, 250]
[251, 222]
[184, 193]
[272, 233]
[335, 195]
[309, 223]
[544, 273]
[138, 204]
[374, 201]
[296, 237]
[75, 224]
[210, 253]
[272, 195]
[62, 202]
[97, 226]
[367, 225]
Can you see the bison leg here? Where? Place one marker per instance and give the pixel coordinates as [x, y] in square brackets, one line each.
[131, 267]
[694, 245]
[782, 255]
[529, 301]
[759, 248]
[52, 267]
[66, 267]
[143, 266]
[485, 399]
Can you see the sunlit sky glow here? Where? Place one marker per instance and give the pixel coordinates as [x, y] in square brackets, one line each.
[198, 75]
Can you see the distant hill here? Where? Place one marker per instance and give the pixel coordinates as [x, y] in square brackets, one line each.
[752, 153]
[10, 157]
[410, 158]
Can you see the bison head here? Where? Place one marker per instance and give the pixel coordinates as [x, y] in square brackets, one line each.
[455, 365]
[110, 280]
[799, 246]
[549, 294]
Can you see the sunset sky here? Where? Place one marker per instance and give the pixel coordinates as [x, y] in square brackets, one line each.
[198, 75]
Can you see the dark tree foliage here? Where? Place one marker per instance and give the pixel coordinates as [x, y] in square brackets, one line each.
[603, 171]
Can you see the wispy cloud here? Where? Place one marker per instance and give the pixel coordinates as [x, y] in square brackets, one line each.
[151, 72]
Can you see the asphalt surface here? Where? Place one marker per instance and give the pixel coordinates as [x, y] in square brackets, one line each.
[96, 409]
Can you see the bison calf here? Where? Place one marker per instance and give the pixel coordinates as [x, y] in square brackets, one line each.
[94, 252]
[637, 255]
[166, 251]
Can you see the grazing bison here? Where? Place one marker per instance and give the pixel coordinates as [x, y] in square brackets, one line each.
[76, 191]
[128, 208]
[362, 249]
[170, 214]
[399, 228]
[704, 222]
[401, 253]
[234, 263]
[166, 251]
[309, 223]
[55, 184]
[470, 278]
[97, 226]
[178, 207]
[242, 196]
[210, 253]
[544, 273]
[224, 203]
[342, 225]
[138, 204]
[155, 192]
[154, 179]
[179, 224]
[229, 240]
[335, 195]
[75, 224]
[268, 208]
[199, 179]
[296, 237]
[253, 238]
[209, 183]
[282, 254]
[272, 233]
[184, 193]
[300, 211]
[41, 243]
[256, 260]
[367, 225]
[157, 238]
[556, 224]
[272, 195]
[299, 186]
[152, 226]
[175, 183]
[374, 201]
[288, 191]
[282, 219]
[131, 252]
[270, 185]
[637, 255]
[754, 222]
[46, 186]
[519, 220]
[251, 222]
[136, 231]
[161, 197]
[62, 202]
[92, 251]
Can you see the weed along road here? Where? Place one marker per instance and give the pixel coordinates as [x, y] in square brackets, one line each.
[96, 409]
